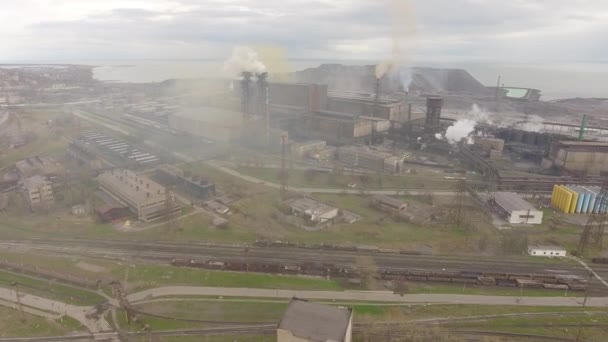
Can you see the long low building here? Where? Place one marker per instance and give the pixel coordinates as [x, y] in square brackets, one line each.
[144, 197]
[515, 209]
[581, 157]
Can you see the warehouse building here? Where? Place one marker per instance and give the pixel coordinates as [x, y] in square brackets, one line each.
[38, 192]
[208, 122]
[304, 321]
[580, 157]
[195, 186]
[389, 204]
[43, 166]
[515, 209]
[363, 105]
[144, 197]
[312, 210]
[370, 159]
[307, 149]
[91, 144]
[546, 251]
[333, 127]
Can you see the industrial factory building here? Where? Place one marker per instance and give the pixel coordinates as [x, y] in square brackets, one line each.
[38, 192]
[370, 159]
[515, 209]
[86, 148]
[312, 97]
[144, 197]
[305, 321]
[209, 122]
[389, 204]
[312, 210]
[388, 109]
[580, 157]
[195, 186]
[43, 166]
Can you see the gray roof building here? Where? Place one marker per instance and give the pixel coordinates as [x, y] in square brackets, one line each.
[306, 321]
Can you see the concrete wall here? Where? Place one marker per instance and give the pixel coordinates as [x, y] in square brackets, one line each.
[579, 161]
[286, 336]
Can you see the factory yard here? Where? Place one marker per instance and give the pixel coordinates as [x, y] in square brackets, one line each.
[385, 201]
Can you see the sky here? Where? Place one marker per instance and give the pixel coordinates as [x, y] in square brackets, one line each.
[438, 30]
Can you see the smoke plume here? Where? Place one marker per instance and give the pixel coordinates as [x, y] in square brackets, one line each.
[404, 29]
[534, 123]
[243, 59]
[463, 128]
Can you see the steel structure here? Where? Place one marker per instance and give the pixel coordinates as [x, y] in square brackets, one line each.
[595, 227]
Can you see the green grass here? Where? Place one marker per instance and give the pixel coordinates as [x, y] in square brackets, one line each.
[299, 178]
[522, 319]
[12, 325]
[55, 291]
[150, 276]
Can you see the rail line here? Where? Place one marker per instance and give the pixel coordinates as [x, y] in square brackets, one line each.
[321, 262]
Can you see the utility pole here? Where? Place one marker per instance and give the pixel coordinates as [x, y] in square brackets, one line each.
[18, 297]
[119, 294]
[284, 174]
[595, 227]
[169, 207]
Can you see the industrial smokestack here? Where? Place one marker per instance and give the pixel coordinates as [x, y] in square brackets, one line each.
[246, 92]
[264, 102]
[377, 98]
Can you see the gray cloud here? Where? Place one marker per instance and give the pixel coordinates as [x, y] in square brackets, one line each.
[356, 29]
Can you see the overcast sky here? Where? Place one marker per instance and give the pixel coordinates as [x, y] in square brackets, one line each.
[441, 30]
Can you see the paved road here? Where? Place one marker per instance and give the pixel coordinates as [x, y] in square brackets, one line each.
[372, 296]
[250, 179]
[79, 313]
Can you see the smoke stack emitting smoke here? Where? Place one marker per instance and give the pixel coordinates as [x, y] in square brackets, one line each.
[243, 59]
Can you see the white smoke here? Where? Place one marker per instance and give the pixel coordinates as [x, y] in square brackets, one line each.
[405, 75]
[243, 59]
[463, 128]
[534, 123]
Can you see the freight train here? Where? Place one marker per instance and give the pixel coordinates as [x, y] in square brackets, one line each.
[522, 280]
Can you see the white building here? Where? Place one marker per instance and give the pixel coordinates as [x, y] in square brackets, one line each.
[547, 251]
[312, 210]
[515, 209]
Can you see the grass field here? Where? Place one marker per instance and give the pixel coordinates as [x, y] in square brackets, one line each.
[300, 178]
[49, 290]
[143, 276]
[545, 321]
[150, 276]
[12, 325]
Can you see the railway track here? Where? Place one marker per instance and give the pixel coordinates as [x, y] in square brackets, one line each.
[168, 252]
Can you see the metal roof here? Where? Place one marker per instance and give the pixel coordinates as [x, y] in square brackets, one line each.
[511, 201]
[547, 248]
[316, 322]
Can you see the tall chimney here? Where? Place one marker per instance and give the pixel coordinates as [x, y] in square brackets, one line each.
[264, 102]
[376, 98]
[246, 95]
